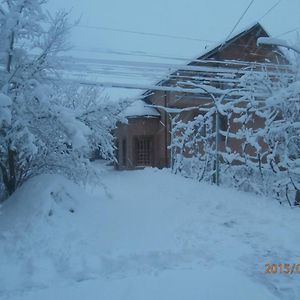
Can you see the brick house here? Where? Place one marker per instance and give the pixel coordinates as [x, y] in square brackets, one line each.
[144, 140]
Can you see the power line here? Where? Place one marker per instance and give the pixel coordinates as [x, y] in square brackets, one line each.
[146, 33]
[138, 86]
[130, 53]
[218, 65]
[238, 22]
[290, 31]
[269, 10]
[147, 54]
[158, 71]
[195, 90]
[230, 76]
[184, 61]
[95, 50]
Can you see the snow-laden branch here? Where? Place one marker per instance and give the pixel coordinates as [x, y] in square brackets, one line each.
[277, 42]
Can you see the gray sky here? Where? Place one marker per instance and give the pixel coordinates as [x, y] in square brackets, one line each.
[202, 19]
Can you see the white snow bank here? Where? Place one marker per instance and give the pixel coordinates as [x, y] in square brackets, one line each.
[144, 235]
[140, 109]
[46, 228]
[191, 284]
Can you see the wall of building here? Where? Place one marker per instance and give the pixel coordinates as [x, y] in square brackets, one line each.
[137, 127]
[243, 48]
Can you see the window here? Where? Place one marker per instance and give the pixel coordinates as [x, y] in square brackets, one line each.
[143, 151]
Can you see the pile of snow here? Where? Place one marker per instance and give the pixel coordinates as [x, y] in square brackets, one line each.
[140, 109]
[145, 234]
[190, 283]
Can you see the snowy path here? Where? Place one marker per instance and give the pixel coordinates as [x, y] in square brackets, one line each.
[213, 228]
[148, 235]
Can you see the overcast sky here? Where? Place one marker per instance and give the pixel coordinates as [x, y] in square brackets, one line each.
[203, 19]
[210, 20]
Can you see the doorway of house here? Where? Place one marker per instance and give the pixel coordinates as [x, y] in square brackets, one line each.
[143, 150]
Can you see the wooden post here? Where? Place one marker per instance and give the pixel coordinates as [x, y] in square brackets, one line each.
[297, 198]
[217, 163]
[166, 129]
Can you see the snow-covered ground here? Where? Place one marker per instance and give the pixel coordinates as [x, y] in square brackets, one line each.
[143, 235]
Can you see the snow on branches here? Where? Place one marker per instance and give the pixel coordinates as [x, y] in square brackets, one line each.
[44, 127]
[250, 139]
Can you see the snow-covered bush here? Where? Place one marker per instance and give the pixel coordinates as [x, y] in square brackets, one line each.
[94, 109]
[30, 117]
[44, 126]
[257, 147]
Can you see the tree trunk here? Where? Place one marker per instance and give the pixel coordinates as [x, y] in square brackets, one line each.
[9, 172]
[11, 48]
[12, 171]
[297, 198]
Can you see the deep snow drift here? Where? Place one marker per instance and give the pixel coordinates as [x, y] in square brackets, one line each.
[143, 235]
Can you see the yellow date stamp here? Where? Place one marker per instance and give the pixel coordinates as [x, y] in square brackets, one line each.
[282, 268]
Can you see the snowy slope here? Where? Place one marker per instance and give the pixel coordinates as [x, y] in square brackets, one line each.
[144, 235]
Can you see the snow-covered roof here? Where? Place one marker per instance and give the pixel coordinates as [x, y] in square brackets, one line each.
[140, 109]
[207, 53]
[229, 40]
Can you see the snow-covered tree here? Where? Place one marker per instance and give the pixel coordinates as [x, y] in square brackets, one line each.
[43, 127]
[256, 146]
[30, 39]
[95, 110]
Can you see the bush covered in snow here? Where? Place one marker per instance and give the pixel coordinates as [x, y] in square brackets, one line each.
[44, 127]
[257, 142]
